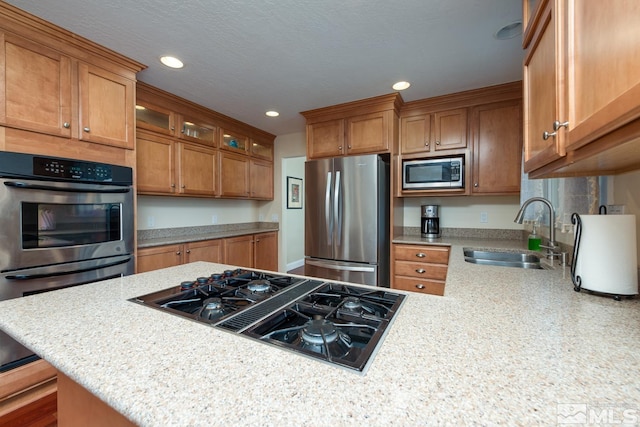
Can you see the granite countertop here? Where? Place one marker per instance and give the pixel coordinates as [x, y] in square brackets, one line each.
[171, 236]
[504, 346]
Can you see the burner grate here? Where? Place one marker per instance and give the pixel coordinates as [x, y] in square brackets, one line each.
[249, 316]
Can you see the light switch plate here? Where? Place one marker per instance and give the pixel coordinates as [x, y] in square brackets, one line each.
[484, 217]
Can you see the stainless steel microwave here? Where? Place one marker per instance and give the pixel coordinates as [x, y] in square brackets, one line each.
[433, 173]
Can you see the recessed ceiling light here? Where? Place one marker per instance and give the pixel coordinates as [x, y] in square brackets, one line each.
[401, 85]
[171, 61]
[509, 31]
[272, 113]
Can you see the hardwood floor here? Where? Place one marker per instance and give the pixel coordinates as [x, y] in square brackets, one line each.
[299, 270]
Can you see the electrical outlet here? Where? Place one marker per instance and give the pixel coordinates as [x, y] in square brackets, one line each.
[615, 209]
[484, 217]
[214, 219]
[274, 217]
[151, 221]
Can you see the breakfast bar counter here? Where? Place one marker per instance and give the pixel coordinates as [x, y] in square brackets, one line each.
[503, 346]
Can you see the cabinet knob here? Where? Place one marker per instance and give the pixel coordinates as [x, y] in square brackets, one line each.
[437, 142]
[475, 184]
[173, 186]
[420, 255]
[340, 148]
[349, 147]
[426, 144]
[188, 251]
[178, 253]
[420, 286]
[66, 125]
[557, 125]
[420, 270]
[546, 135]
[182, 186]
[86, 130]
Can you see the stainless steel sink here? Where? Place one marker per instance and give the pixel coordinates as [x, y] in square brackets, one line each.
[504, 259]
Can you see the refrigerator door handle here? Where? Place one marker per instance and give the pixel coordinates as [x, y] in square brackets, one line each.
[327, 210]
[340, 267]
[337, 217]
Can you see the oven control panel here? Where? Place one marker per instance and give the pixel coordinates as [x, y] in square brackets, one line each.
[71, 169]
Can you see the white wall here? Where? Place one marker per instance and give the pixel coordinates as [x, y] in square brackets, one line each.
[465, 211]
[292, 219]
[625, 192]
[169, 212]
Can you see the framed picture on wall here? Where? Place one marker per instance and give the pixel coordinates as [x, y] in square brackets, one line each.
[294, 193]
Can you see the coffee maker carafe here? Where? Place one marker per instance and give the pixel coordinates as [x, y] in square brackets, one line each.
[430, 221]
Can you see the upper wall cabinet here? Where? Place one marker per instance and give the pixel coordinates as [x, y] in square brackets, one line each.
[581, 87]
[62, 95]
[187, 150]
[433, 132]
[361, 127]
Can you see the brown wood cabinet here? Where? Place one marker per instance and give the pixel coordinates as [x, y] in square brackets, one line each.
[420, 268]
[432, 133]
[581, 88]
[167, 166]
[158, 257]
[253, 251]
[28, 395]
[497, 147]
[200, 157]
[362, 127]
[63, 95]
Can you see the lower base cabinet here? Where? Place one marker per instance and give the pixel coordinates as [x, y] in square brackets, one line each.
[28, 395]
[251, 251]
[420, 268]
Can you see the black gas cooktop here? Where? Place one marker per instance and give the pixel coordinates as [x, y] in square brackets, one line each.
[336, 323]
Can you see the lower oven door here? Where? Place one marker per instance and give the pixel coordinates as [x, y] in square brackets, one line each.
[25, 282]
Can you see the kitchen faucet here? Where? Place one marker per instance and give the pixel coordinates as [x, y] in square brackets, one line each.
[552, 222]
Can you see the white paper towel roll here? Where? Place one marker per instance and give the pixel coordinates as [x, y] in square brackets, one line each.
[607, 256]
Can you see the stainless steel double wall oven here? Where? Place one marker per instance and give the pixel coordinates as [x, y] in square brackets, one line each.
[63, 223]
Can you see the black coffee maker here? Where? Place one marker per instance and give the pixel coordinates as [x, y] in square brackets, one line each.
[430, 221]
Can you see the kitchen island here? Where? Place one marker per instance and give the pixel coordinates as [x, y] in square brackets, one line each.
[503, 346]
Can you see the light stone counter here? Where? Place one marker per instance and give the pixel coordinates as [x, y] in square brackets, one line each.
[504, 346]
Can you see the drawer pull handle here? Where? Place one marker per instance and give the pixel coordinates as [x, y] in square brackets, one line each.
[420, 270]
[420, 255]
[420, 286]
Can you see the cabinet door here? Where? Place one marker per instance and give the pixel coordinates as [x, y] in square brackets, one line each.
[106, 107]
[239, 251]
[603, 76]
[207, 250]
[543, 102]
[497, 148]
[234, 142]
[266, 251]
[415, 134]
[325, 139]
[155, 171]
[149, 259]
[154, 118]
[198, 131]
[261, 180]
[262, 149]
[36, 91]
[367, 134]
[234, 175]
[198, 168]
[450, 129]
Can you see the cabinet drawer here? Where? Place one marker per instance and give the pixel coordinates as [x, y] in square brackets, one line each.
[436, 255]
[434, 287]
[421, 270]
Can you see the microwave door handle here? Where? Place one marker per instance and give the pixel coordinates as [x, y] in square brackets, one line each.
[29, 186]
[327, 210]
[337, 211]
[63, 273]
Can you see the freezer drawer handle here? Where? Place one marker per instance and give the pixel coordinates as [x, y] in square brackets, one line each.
[19, 184]
[63, 273]
[342, 268]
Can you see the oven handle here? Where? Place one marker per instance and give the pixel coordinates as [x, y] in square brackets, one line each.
[62, 273]
[26, 185]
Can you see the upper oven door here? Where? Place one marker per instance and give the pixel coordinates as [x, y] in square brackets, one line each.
[47, 222]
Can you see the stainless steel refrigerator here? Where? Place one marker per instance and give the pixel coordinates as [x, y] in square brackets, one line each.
[347, 219]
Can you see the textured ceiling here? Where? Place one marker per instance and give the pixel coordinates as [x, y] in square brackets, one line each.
[244, 57]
